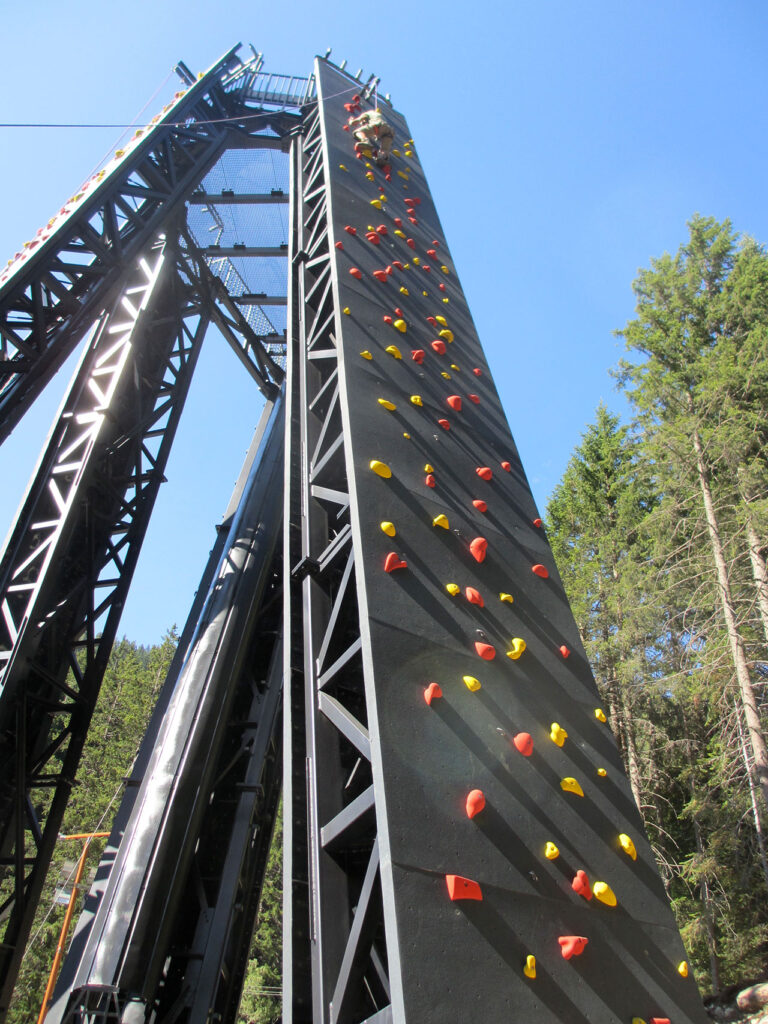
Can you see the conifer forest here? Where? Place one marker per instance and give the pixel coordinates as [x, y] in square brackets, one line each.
[659, 527]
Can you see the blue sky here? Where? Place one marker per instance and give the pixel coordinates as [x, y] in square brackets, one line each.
[565, 144]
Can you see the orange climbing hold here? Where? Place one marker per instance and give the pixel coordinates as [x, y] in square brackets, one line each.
[432, 692]
[523, 741]
[486, 651]
[355, 272]
[540, 570]
[380, 275]
[565, 650]
[350, 229]
[463, 888]
[393, 562]
[454, 401]
[572, 945]
[480, 505]
[339, 245]
[484, 472]
[580, 884]
[439, 347]
[507, 467]
[478, 548]
[475, 802]
[474, 398]
[474, 596]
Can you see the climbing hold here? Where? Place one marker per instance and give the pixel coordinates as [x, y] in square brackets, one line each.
[480, 505]
[398, 222]
[604, 893]
[572, 945]
[638, 1020]
[339, 245]
[380, 275]
[478, 548]
[407, 436]
[486, 651]
[529, 967]
[387, 319]
[377, 203]
[432, 253]
[441, 520]
[431, 692]
[350, 229]
[474, 398]
[570, 785]
[627, 845]
[444, 424]
[399, 233]
[475, 802]
[366, 354]
[388, 528]
[537, 523]
[524, 743]
[540, 570]
[477, 371]
[398, 311]
[404, 290]
[394, 561]
[453, 589]
[445, 269]
[410, 242]
[417, 355]
[446, 335]
[564, 650]
[551, 852]
[659, 1020]
[355, 272]
[416, 400]
[439, 347]
[602, 772]
[398, 264]
[474, 596]
[471, 683]
[516, 648]
[429, 480]
[416, 261]
[393, 350]
[557, 734]
[386, 404]
[380, 469]
[484, 472]
[346, 310]
[342, 167]
[463, 888]
[440, 319]
[373, 237]
[454, 401]
[456, 368]
[401, 326]
[682, 968]
[428, 468]
[507, 467]
[446, 375]
[506, 597]
[600, 715]
[580, 884]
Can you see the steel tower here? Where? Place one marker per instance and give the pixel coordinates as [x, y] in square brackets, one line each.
[381, 606]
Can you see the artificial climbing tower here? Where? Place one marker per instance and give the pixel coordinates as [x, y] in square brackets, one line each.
[380, 609]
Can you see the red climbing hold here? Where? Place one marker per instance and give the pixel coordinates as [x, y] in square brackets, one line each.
[580, 884]
[429, 480]
[565, 651]
[572, 945]
[382, 229]
[480, 505]
[431, 692]
[537, 523]
[380, 275]
[540, 570]
[387, 319]
[444, 424]
[388, 271]
[393, 562]
[431, 320]
[399, 311]
[455, 402]
[484, 472]
[398, 222]
[373, 237]
[524, 743]
[410, 242]
[507, 467]
[463, 888]
[413, 220]
[417, 355]
[339, 245]
[486, 651]
[474, 596]
[398, 264]
[432, 253]
[475, 802]
[477, 371]
[350, 229]
[474, 398]
[478, 548]
[441, 287]
[411, 202]
[660, 1020]
[355, 272]
[439, 347]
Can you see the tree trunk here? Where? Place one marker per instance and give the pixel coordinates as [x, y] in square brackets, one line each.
[735, 640]
[753, 796]
[759, 572]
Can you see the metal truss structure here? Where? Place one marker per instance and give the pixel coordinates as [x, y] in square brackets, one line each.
[307, 640]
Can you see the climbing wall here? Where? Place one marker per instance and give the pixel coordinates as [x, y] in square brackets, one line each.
[520, 884]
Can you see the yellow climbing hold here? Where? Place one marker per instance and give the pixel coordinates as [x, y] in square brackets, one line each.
[395, 152]
[425, 294]
[453, 589]
[529, 970]
[446, 299]
[408, 436]
[401, 326]
[380, 469]
[442, 321]
[455, 367]
[428, 468]
[600, 715]
[342, 167]
[445, 270]
[638, 1020]
[393, 350]
[404, 290]
[369, 175]
[446, 375]
[377, 203]
[366, 354]
[416, 400]
[602, 772]
[603, 892]
[409, 152]
[388, 528]
[506, 597]
[387, 404]
[447, 335]
[441, 520]
[570, 785]
[682, 968]
[416, 261]
[557, 734]
[551, 852]
[627, 846]
[402, 173]
[516, 648]
[399, 233]
[471, 683]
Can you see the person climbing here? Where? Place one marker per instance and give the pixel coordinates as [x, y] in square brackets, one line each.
[372, 130]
